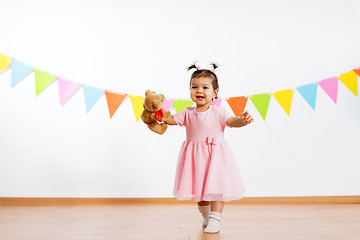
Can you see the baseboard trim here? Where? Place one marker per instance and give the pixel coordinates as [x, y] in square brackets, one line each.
[24, 201]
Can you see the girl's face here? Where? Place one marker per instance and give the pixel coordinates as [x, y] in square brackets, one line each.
[202, 92]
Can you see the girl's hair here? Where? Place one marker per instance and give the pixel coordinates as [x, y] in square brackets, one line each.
[205, 73]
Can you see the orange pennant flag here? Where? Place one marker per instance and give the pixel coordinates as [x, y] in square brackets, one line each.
[357, 70]
[237, 104]
[114, 100]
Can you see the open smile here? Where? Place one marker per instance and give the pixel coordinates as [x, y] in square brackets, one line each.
[200, 97]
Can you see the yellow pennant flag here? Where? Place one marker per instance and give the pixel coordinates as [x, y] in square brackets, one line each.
[137, 104]
[284, 98]
[350, 80]
[4, 62]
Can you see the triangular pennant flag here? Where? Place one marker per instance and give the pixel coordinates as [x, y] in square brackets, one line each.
[330, 86]
[114, 100]
[216, 101]
[180, 105]
[66, 89]
[350, 80]
[309, 93]
[42, 80]
[237, 104]
[284, 98]
[4, 62]
[261, 102]
[357, 70]
[92, 95]
[168, 103]
[137, 104]
[19, 71]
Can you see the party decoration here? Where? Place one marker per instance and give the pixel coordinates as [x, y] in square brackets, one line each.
[180, 105]
[42, 80]
[237, 104]
[19, 70]
[261, 102]
[137, 104]
[114, 100]
[330, 86]
[66, 89]
[216, 101]
[308, 92]
[4, 62]
[92, 95]
[168, 103]
[357, 71]
[350, 81]
[284, 98]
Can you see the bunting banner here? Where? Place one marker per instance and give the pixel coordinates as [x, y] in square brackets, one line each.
[284, 98]
[261, 102]
[42, 80]
[216, 101]
[92, 95]
[114, 100]
[330, 86]
[350, 81]
[237, 104]
[67, 89]
[4, 62]
[168, 104]
[137, 104]
[357, 71]
[180, 104]
[19, 71]
[308, 92]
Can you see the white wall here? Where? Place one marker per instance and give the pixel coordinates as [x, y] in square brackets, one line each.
[129, 46]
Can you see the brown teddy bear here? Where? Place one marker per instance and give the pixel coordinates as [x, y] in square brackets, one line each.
[153, 112]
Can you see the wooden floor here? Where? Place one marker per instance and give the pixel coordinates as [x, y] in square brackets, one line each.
[180, 221]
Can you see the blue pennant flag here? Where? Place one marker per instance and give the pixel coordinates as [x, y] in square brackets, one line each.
[92, 95]
[309, 93]
[19, 71]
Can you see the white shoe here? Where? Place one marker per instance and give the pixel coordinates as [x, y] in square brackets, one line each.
[214, 223]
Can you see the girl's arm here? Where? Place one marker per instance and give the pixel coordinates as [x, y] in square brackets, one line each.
[170, 121]
[244, 119]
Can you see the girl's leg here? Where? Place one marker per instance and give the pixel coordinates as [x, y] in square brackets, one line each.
[204, 209]
[217, 206]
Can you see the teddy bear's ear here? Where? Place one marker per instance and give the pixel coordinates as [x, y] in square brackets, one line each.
[147, 92]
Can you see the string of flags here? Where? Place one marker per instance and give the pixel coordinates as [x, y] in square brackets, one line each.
[67, 88]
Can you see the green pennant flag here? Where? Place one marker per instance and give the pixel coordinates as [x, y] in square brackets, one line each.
[42, 80]
[261, 102]
[180, 105]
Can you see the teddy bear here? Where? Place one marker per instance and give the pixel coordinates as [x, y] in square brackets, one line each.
[153, 112]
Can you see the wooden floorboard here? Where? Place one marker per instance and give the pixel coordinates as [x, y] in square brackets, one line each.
[180, 221]
[26, 201]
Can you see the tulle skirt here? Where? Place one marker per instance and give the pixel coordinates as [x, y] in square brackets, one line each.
[207, 172]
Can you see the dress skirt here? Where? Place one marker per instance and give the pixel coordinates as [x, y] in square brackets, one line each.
[207, 171]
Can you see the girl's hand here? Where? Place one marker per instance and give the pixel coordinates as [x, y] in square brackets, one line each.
[244, 119]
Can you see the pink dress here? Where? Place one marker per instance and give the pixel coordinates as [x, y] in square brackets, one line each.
[206, 169]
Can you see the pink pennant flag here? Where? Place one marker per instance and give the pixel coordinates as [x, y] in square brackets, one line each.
[216, 101]
[168, 104]
[330, 86]
[66, 89]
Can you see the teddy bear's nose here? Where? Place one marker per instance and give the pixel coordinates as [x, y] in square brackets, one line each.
[156, 103]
